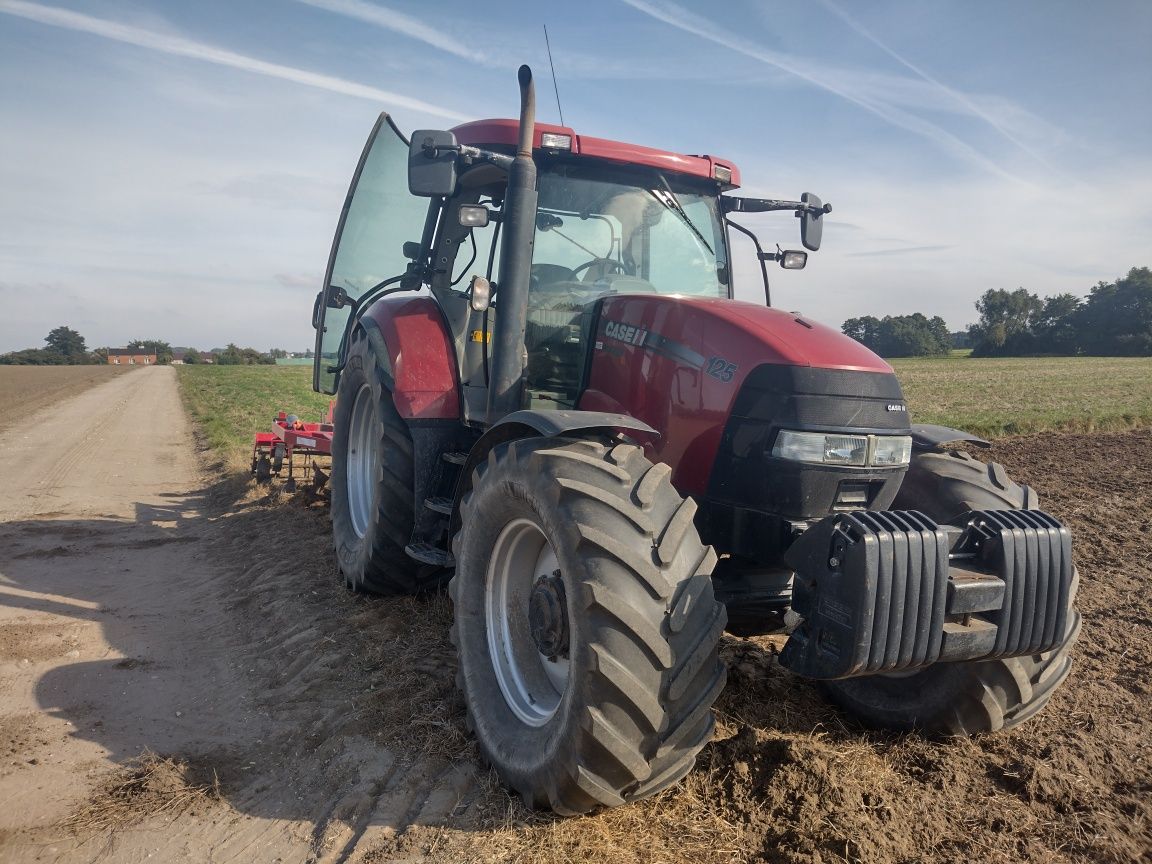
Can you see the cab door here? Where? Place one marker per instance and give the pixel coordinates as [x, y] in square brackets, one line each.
[379, 216]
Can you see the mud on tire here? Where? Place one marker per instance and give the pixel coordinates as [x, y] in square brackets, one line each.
[372, 480]
[968, 697]
[642, 671]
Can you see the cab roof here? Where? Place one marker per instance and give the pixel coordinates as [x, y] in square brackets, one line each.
[490, 133]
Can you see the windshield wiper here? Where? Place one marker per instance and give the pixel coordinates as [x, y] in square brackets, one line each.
[673, 204]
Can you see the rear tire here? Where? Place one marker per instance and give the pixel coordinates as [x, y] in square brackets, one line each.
[962, 698]
[372, 479]
[632, 706]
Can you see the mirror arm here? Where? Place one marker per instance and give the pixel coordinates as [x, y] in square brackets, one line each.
[733, 204]
[761, 256]
[475, 154]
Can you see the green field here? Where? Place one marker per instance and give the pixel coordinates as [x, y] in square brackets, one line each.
[1016, 395]
[231, 403]
[992, 397]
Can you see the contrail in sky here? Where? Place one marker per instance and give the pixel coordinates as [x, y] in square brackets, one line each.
[829, 79]
[963, 99]
[56, 17]
[398, 22]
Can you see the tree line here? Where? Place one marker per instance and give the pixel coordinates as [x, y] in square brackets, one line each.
[1114, 320]
[901, 335]
[64, 346]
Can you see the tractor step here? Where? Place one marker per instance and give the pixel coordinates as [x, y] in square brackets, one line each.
[440, 505]
[426, 553]
[455, 458]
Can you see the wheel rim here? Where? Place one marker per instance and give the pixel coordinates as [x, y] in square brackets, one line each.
[532, 684]
[361, 461]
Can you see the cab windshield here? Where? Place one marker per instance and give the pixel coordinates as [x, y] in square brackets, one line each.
[604, 230]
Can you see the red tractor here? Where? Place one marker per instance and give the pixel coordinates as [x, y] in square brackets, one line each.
[548, 399]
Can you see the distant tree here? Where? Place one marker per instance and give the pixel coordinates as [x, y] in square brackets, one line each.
[1116, 320]
[864, 330]
[191, 356]
[1005, 323]
[63, 346]
[277, 353]
[162, 350]
[33, 357]
[1054, 327]
[234, 355]
[230, 356]
[67, 343]
[912, 335]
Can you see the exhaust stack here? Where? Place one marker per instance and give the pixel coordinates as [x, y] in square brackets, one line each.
[506, 385]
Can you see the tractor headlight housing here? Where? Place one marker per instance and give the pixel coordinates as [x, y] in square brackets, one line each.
[831, 448]
[892, 451]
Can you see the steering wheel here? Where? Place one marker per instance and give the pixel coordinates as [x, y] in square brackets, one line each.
[549, 274]
[607, 266]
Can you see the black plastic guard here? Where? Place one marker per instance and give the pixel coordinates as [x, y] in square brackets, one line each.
[1031, 552]
[892, 590]
[871, 588]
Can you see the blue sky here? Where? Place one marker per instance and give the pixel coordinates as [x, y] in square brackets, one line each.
[175, 170]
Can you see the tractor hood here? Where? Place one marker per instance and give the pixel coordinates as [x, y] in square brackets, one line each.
[679, 364]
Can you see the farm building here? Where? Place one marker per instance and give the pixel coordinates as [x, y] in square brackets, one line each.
[124, 357]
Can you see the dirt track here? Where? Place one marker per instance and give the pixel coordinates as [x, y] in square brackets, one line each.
[144, 607]
[133, 621]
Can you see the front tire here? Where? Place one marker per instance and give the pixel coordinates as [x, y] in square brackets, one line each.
[969, 697]
[372, 479]
[622, 603]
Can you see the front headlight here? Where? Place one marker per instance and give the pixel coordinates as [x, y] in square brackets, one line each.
[892, 450]
[882, 451]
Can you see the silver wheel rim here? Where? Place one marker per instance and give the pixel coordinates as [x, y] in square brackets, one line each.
[532, 684]
[361, 461]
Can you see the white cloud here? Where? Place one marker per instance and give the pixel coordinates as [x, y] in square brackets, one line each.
[968, 236]
[179, 46]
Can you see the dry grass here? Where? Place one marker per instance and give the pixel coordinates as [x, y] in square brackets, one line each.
[1017, 395]
[143, 788]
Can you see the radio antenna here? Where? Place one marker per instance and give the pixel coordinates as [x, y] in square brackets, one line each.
[555, 88]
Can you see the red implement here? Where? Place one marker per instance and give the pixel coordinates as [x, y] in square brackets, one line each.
[289, 439]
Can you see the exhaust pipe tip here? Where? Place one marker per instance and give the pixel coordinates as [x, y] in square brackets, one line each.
[527, 111]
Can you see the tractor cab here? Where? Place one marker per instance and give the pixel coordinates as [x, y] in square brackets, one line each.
[609, 219]
[600, 229]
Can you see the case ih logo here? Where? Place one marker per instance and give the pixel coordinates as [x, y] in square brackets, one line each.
[897, 407]
[625, 333]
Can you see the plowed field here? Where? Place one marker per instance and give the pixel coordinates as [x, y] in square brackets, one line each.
[183, 678]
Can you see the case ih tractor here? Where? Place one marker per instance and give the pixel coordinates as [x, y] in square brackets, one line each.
[548, 399]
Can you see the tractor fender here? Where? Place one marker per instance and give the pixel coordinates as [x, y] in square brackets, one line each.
[927, 436]
[544, 424]
[410, 334]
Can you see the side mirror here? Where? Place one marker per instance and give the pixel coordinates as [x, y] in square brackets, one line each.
[811, 226]
[432, 163]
